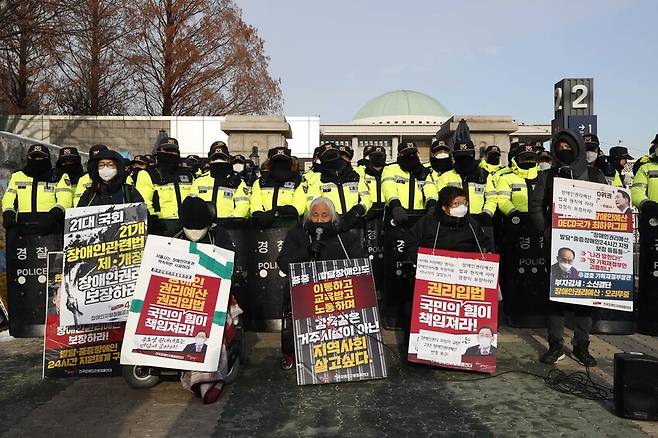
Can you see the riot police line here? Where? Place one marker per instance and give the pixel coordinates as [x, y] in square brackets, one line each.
[381, 201]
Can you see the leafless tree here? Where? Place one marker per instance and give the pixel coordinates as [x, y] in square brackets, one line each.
[90, 59]
[198, 57]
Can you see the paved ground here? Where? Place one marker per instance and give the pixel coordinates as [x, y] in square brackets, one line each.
[266, 401]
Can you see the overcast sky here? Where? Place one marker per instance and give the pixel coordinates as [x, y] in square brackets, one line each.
[475, 57]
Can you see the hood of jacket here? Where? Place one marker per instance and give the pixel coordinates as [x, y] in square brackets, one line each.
[577, 169]
[524, 173]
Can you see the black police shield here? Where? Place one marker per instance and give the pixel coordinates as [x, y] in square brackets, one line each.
[398, 289]
[647, 297]
[523, 273]
[27, 257]
[267, 283]
[374, 248]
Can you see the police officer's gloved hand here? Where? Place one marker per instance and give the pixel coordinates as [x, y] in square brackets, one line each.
[55, 224]
[484, 219]
[400, 216]
[8, 219]
[287, 211]
[351, 218]
[154, 225]
[515, 217]
[263, 218]
[430, 207]
[650, 208]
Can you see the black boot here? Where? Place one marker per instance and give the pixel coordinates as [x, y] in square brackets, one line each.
[581, 354]
[554, 354]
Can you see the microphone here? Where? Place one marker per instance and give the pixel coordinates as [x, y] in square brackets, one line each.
[318, 233]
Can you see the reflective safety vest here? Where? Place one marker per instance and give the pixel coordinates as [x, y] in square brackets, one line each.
[230, 195]
[491, 168]
[345, 190]
[512, 188]
[163, 192]
[645, 184]
[412, 193]
[481, 194]
[83, 184]
[24, 194]
[374, 183]
[614, 180]
[267, 194]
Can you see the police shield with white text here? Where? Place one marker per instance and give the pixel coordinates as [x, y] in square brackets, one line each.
[33, 216]
[523, 268]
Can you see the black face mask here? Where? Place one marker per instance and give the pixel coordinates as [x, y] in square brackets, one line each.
[280, 170]
[328, 230]
[74, 171]
[493, 159]
[35, 168]
[465, 164]
[168, 161]
[567, 156]
[336, 164]
[409, 163]
[527, 164]
[220, 170]
[377, 160]
[441, 164]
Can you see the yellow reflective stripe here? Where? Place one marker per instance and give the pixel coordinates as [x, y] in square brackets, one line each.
[388, 178]
[240, 199]
[504, 193]
[642, 185]
[11, 191]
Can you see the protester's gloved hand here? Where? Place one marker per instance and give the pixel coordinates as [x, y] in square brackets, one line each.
[351, 218]
[154, 225]
[315, 247]
[400, 216]
[8, 219]
[287, 211]
[263, 218]
[484, 219]
[650, 208]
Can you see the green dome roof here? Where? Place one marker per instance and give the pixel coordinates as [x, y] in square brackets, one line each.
[402, 103]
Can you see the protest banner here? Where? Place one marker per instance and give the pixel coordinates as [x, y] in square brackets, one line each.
[336, 322]
[102, 251]
[454, 320]
[592, 245]
[86, 350]
[178, 312]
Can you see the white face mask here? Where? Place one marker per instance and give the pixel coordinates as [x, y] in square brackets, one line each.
[544, 165]
[564, 266]
[591, 156]
[107, 173]
[238, 167]
[442, 155]
[459, 211]
[195, 235]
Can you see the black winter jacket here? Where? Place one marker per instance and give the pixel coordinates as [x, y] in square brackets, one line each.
[540, 204]
[296, 248]
[454, 234]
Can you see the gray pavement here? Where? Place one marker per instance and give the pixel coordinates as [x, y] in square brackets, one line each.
[265, 401]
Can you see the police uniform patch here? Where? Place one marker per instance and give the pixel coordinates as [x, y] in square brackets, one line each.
[184, 178]
[289, 184]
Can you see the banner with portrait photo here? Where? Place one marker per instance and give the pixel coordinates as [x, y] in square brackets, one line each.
[336, 322]
[83, 351]
[454, 319]
[592, 245]
[178, 312]
[103, 248]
